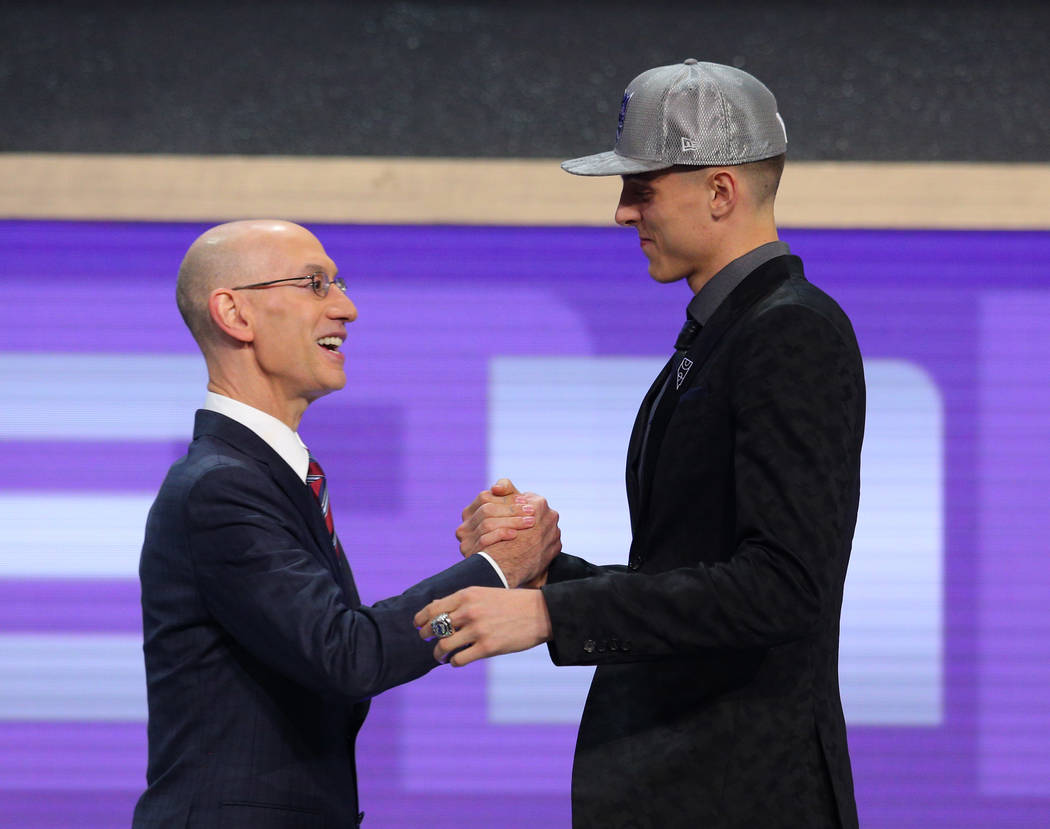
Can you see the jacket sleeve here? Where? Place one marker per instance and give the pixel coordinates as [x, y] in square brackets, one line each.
[797, 398]
[281, 604]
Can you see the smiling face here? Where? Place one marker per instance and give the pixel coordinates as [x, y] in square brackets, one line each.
[296, 335]
[671, 210]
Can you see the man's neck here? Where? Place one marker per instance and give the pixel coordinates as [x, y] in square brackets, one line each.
[262, 398]
[729, 250]
[275, 433]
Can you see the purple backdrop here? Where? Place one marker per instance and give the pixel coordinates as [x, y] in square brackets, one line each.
[405, 447]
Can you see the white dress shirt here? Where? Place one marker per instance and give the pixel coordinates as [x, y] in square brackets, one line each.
[286, 443]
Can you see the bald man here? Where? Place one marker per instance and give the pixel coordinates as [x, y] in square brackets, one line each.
[260, 657]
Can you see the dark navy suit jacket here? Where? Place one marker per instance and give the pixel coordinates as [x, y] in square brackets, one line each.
[716, 700]
[260, 658]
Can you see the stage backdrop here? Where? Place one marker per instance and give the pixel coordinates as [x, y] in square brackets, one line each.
[524, 351]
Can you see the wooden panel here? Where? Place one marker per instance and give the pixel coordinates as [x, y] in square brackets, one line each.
[492, 191]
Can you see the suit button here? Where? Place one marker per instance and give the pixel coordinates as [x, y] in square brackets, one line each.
[626, 645]
[634, 564]
[589, 646]
[601, 647]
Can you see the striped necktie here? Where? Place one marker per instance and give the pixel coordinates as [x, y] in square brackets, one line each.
[319, 487]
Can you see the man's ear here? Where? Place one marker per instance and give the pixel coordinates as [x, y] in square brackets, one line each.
[724, 192]
[231, 315]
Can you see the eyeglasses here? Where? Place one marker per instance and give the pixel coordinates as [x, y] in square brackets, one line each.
[320, 282]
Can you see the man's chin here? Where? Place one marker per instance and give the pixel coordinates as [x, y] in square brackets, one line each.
[664, 277]
[331, 384]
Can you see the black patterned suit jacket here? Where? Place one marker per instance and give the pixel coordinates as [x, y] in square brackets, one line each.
[715, 703]
[260, 658]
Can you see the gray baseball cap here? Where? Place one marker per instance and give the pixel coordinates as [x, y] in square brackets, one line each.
[703, 114]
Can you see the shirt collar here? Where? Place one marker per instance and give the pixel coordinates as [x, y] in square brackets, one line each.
[276, 434]
[721, 285]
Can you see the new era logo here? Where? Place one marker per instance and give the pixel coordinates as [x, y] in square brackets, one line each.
[689, 145]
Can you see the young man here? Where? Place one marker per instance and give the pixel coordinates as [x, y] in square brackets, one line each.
[260, 658]
[715, 702]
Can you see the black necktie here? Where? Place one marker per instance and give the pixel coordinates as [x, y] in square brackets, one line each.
[686, 337]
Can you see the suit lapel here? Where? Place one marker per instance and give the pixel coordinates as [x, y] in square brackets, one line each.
[758, 284]
[634, 448]
[298, 493]
[306, 504]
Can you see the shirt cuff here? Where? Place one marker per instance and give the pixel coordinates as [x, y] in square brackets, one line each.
[496, 567]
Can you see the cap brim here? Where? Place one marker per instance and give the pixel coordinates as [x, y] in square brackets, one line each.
[611, 163]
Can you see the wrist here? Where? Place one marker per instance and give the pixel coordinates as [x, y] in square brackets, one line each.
[544, 628]
[495, 566]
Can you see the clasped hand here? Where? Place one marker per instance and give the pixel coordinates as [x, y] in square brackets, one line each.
[520, 532]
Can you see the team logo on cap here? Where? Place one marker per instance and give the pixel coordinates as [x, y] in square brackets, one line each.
[623, 113]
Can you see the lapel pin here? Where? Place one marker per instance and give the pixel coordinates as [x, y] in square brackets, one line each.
[683, 370]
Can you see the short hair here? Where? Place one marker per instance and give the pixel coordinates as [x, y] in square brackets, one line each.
[210, 260]
[191, 292]
[766, 176]
[189, 307]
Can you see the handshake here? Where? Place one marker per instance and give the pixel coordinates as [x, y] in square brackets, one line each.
[519, 532]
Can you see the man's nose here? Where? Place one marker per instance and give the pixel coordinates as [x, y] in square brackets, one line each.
[626, 213]
[342, 307]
